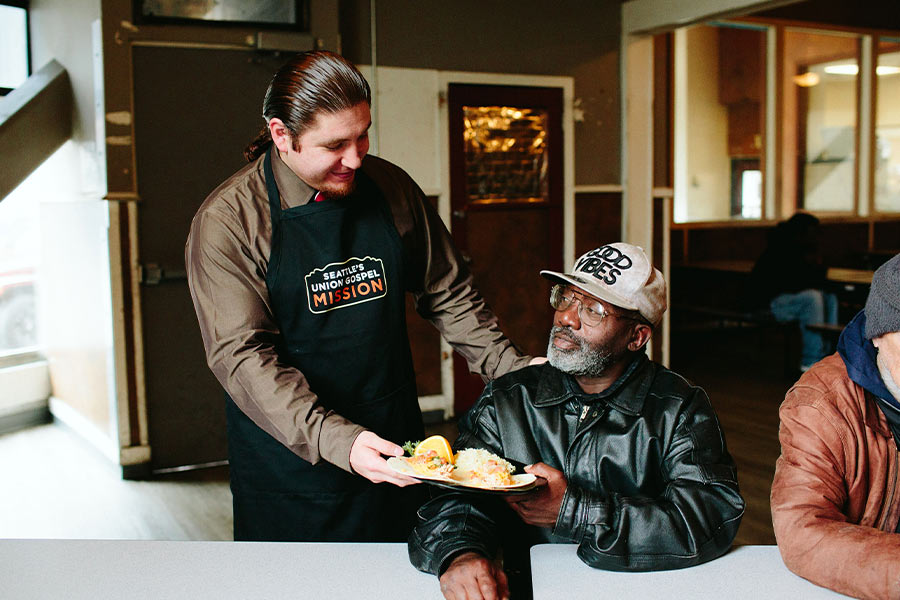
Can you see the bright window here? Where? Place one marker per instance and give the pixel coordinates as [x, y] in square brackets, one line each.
[887, 127]
[13, 46]
[720, 108]
[751, 194]
[822, 156]
[820, 96]
[20, 251]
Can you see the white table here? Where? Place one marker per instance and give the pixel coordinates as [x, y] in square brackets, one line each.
[155, 570]
[751, 572]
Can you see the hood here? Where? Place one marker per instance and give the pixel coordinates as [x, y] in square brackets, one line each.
[858, 355]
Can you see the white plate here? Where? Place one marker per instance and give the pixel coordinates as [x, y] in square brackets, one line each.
[521, 483]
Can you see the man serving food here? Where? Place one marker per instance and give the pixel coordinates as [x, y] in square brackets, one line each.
[299, 267]
[630, 457]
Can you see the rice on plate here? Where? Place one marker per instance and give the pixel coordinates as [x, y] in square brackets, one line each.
[483, 467]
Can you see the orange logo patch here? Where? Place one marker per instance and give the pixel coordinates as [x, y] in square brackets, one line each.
[339, 285]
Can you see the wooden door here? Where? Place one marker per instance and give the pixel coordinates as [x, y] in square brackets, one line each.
[506, 195]
[195, 110]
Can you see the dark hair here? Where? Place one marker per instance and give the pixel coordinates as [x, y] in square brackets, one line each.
[800, 222]
[307, 84]
[799, 229]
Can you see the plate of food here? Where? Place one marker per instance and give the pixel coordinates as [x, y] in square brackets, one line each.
[433, 461]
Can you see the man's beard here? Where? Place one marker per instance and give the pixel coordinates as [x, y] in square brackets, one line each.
[336, 193]
[585, 361]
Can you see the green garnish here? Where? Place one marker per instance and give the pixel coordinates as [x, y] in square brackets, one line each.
[410, 447]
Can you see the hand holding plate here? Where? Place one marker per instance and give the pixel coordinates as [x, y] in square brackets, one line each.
[541, 508]
[366, 459]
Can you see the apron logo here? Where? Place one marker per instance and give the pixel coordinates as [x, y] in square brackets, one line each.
[339, 285]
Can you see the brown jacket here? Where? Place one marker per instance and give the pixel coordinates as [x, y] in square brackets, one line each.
[227, 255]
[835, 497]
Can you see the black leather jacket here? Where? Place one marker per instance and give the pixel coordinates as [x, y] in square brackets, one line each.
[651, 485]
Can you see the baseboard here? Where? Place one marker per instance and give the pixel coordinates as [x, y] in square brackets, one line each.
[137, 472]
[72, 419]
[24, 416]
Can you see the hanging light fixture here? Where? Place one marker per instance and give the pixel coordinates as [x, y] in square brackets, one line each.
[807, 79]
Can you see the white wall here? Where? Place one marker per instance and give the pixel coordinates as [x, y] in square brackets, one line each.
[702, 165]
[75, 306]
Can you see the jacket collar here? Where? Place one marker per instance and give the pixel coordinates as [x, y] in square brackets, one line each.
[626, 394]
[294, 191]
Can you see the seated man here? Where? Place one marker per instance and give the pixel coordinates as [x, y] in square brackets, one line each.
[631, 456]
[836, 494]
[790, 280]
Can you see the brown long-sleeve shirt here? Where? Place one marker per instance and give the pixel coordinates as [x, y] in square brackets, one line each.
[227, 254]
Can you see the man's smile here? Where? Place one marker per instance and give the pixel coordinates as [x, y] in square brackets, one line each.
[343, 176]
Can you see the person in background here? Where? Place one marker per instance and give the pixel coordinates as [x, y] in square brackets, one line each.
[298, 267]
[836, 493]
[631, 457]
[789, 279]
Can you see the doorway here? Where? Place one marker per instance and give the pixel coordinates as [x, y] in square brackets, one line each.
[195, 111]
[506, 200]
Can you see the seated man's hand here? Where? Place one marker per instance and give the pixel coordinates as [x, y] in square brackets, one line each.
[473, 577]
[541, 508]
[366, 459]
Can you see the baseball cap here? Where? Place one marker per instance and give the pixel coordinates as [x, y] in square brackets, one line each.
[622, 275]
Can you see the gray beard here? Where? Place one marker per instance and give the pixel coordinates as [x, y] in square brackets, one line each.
[584, 361]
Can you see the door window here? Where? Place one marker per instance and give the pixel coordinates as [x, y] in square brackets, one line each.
[505, 154]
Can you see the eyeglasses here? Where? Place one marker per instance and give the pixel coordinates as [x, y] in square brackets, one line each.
[590, 312]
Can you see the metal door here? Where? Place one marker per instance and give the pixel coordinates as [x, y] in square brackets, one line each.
[195, 109]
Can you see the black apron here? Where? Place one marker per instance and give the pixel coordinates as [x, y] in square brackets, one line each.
[335, 280]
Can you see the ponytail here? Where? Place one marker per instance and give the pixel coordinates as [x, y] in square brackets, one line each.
[259, 145]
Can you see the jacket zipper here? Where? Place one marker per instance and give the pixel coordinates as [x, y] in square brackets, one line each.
[890, 501]
[579, 431]
[585, 409]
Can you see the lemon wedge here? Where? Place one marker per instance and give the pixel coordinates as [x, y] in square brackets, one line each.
[438, 444]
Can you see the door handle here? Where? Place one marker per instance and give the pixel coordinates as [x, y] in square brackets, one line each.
[459, 213]
[154, 274]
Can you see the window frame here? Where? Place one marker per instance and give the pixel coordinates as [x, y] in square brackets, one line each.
[777, 204]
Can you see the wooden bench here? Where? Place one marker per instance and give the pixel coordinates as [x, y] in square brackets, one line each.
[725, 317]
[832, 331]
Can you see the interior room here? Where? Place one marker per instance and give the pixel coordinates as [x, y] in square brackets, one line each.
[536, 132]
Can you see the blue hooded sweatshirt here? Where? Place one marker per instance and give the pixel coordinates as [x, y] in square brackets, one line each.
[858, 355]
